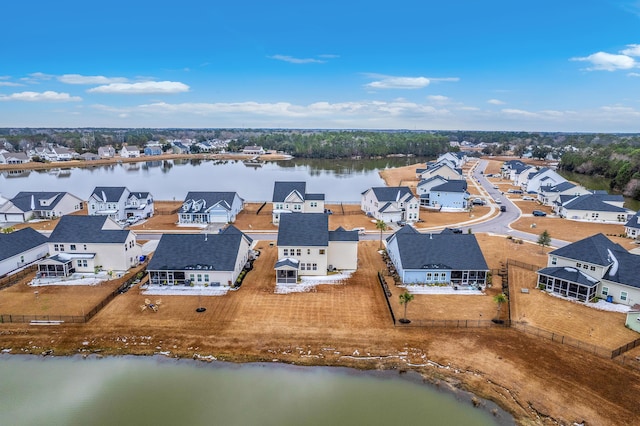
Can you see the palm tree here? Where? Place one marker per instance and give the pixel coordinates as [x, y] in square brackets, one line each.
[405, 298]
[500, 299]
[382, 227]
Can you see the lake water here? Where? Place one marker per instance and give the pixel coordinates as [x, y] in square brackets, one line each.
[157, 391]
[339, 180]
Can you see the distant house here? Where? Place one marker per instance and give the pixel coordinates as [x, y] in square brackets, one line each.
[593, 267]
[291, 197]
[58, 153]
[14, 158]
[445, 258]
[595, 207]
[440, 169]
[153, 149]
[84, 244]
[307, 247]
[89, 156]
[180, 148]
[39, 205]
[253, 150]
[130, 151]
[390, 204]
[542, 177]
[549, 194]
[210, 207]
[199, 260]
[106, 151]
[450, 195]
[458, 159]
[20, 248]
[632, 227]
[119, 203]
[423, 188]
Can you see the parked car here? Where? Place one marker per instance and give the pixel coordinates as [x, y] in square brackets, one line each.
[498, 201]
[360, 230]
[514, 191]
[527, 198]
[456, 231]
[478, 202]
[401, 223]
[539, 213]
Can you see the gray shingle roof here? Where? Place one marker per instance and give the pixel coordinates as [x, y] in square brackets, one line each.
[390, 193]
[303, 229]
[23, 200]
[447, 251]
[112, 193]
[627, 271]
[451, 186]
[20, 241]
[225, 199]
[86, 229]
[592, 249]
[315, 197]
[432, 178]
[282, 189]
[592, 202]
[569, 274]
[634, 222]
[215, 252]
[562, 186]
[341, 234]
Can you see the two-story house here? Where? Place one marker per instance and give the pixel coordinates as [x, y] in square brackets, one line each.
[130, 151]
[390, 204]
[107, 151]
[292, 197]
[210, 207]
[119, 203]
[39, 205]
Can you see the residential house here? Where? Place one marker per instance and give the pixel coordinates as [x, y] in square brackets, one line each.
[13, 158]
[210, 207]
[130, 151]
[153, 149]
[119, 203]
[39, 205]
[593, 267]
[595, 207]
[84, 244]
[180, 148]
[292, 197]
[424, 188]
[20, 248]
[451, 195]
[632, 227]
[253, 150]
[199, 260]
[89, 156]
[390, 204]
[457, 158]
[107, 151]
[444, 258]
[307, 247]
[59, 153]
[542, 177]
[549, 194]
[440, 169]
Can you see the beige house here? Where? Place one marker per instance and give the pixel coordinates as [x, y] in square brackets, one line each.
[390, 204]
[292, 197]
[307, 247]
[39, 205]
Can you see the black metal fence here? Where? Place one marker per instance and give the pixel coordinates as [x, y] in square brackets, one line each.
[13, 279]
[462, 323]
[387, 293]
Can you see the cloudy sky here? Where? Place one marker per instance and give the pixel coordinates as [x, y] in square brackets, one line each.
[445, 65]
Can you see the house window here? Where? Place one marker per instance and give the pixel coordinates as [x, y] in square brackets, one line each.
[593, 268]
[298, 252]
[315, 266]
[578, 265]
[206, 278]
[285, 252]
[73, 247]
[443, 276]
[297, 207]
[605, 291]
[308, 251]
[314, 204]
[303, 266]
[321, 251]
[192, 277]
[85, 246]
[82, 263]
[554, 260]
[585, 266]
[429, 278]
[21, 259]
[623, 295]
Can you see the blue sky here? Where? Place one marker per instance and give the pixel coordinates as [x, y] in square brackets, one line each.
[446, 65]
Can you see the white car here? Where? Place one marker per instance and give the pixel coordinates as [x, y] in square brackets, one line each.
[528, 198]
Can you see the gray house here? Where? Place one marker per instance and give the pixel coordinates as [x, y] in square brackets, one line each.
[210, 207]
[20, 248]
[39, 205]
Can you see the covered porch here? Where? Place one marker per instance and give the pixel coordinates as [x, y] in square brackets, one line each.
[568, 282]
[287, 271]
[55, 266]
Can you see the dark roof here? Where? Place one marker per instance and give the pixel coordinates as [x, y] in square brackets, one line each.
[451, 186]
[605, 196]
[390, 193]
[20, 241]
[86, 229]
[139, 195]
[432, 178]
[23, 200]
[625, 268]
[341, 234]
[287, 262]
[210, 199]
[112, 193]
[573, 275]
[593, 249]
[634, 222]
[592, 202]
[303, 229]
[317, 197]
[282, 189]
[562, 186]
[447, 251]
[208, 252]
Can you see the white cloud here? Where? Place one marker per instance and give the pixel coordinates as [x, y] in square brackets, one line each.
[603, 61]
[293, 60]
[495, 102]
[438, 98]
[631, 50]
[10, 84]
[37, 77]
[146, 87]
[390, 82]
[48, 96]
[634, 74]
[90, 79]
[519, 112]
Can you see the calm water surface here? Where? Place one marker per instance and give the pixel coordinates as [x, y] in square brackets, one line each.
[153, 391]
[339, 180]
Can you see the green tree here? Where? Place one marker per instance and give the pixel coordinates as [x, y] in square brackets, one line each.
[500, 299]
[382, 227]
[544, 240]
[405, 298]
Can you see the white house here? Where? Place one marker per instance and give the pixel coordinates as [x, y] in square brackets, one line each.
[424, 188]
[595, 207]
[130, 151]
[292, 197]
[210, 207]
[440, 169]
[85, 244]
[253, 150]
[39, 205]
[549, 194]
[457, 158]
[390, 204]
[14, 158]
[593, 267]
[542, 177]
[20, 248]
[119, 203]
[307, 247]
[632, 227]
[198, 260]
[450, 195]
[107, 151]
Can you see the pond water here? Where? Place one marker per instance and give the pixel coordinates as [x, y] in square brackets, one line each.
[339, 180]
[158, 391]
